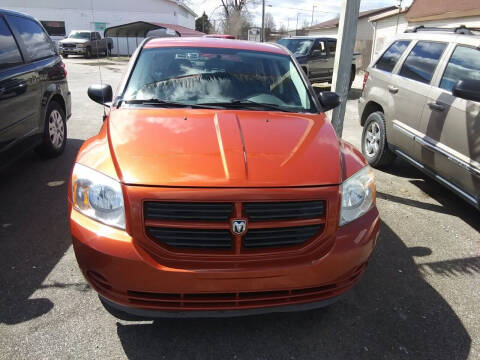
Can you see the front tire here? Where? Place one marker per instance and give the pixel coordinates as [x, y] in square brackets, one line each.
[55, 133]
[88, 53]
[374, 141]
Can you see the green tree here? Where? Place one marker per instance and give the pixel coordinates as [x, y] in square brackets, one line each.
[203, 24]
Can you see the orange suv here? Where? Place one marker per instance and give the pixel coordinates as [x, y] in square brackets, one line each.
[217, 187]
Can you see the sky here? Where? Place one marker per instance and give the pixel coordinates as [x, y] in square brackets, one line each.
[285, 11]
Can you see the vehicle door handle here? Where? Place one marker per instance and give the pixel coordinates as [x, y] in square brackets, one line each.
[392, 89]
[436, 106]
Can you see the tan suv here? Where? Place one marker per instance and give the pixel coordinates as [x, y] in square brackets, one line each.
[421, 101]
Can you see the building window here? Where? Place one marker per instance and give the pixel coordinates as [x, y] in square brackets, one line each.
[54, 28]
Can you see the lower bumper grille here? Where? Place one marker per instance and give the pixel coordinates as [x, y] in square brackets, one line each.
[239, 300]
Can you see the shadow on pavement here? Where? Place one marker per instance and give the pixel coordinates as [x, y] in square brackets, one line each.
[449, 202]
[391, 314]
[34, 230]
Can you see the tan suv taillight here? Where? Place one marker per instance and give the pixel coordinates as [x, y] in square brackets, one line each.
[365, 79]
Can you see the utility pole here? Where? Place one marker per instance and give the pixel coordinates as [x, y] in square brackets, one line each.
[263, 20]
[296, 28]
[347, 33]
[313, 11]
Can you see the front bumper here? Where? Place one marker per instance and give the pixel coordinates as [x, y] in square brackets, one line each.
[72, 51]
[124, 274]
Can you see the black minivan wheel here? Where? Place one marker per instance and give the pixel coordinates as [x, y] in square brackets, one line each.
[55, 133]
[374, 141]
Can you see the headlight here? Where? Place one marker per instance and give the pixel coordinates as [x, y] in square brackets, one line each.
[80, 45]
[358, 195]
[98, 196]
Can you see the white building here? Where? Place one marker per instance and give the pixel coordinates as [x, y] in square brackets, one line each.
[364, 37]
[430, 13]
[62, 16]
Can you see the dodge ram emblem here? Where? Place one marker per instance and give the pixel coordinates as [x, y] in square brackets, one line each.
[239, 226]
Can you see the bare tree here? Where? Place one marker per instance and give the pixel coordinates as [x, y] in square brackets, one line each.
[233, 6]
[269, 22]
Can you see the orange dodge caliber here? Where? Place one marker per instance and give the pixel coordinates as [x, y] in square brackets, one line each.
[217, 187]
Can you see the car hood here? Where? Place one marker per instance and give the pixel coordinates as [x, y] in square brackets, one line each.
[210, 148]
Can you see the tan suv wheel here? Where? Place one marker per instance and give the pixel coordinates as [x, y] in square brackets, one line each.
[374, 141]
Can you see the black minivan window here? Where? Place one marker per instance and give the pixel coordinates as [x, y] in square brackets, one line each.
[37, 42]
[463, 65]
[389, 59]
[9, 53]
[422, 61]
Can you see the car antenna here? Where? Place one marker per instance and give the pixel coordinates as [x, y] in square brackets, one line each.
[98, 61]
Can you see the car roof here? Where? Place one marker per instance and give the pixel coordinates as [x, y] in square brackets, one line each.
[215, 43]
[16, 13]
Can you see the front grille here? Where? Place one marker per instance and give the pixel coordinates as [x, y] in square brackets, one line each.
[258, 238]
[265, 211]
[69, 46]
[191, 238]
[208, 226]
[191, 211]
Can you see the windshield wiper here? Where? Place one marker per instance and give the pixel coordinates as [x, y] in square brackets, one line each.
[167, 103]
[245, 102]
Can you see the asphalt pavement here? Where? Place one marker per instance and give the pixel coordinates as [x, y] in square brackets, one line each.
[418, 299]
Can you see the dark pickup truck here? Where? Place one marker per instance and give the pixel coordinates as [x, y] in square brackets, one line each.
[316, 55]
[86, 43]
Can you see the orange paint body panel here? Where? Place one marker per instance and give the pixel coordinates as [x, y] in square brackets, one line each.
[184, 147]
[187, 175]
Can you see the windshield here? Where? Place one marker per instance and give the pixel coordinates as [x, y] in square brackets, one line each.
[80, 35]
[297, 46]
[217, 76]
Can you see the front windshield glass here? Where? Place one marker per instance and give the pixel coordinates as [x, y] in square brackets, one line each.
[80, 35]
[218, 76]
[299, 47]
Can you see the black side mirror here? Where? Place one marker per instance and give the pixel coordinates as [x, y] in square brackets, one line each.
[101, 94]
[329, 100]
[467, 89]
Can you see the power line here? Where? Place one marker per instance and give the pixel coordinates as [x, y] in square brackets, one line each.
[305, 10]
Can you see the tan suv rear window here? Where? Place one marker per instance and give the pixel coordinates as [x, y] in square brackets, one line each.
[390, 57]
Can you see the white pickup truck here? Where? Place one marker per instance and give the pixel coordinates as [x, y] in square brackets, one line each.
[86, 43]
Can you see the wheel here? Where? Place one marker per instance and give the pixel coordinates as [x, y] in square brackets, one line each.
[55, 134]
[108, 52]
[88, 53]
[374, 141]
[65, 56]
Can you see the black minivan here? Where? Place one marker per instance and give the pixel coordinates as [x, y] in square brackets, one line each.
[34, 97]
